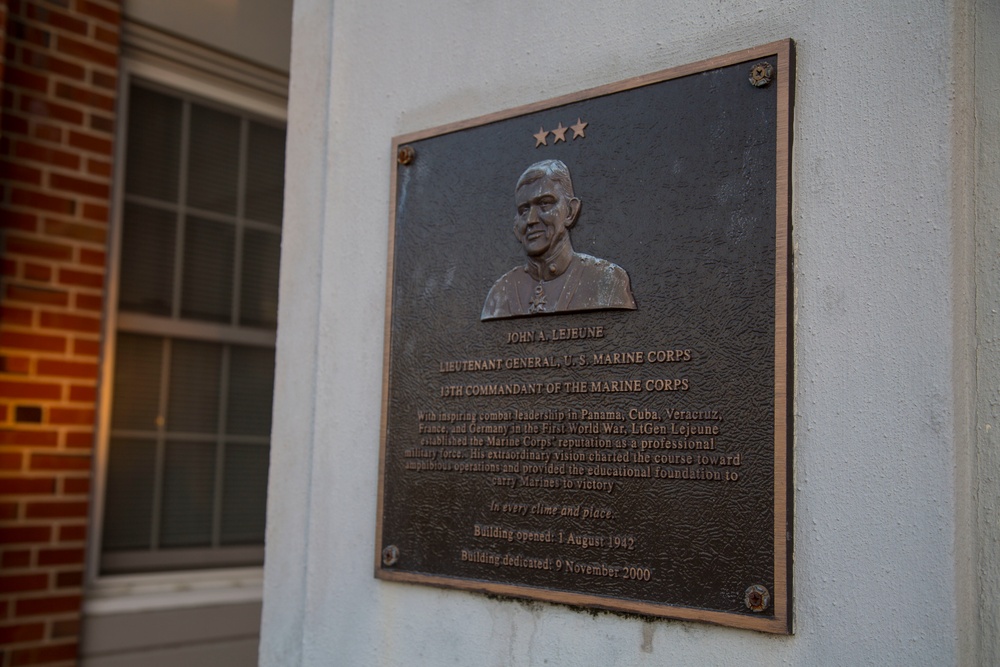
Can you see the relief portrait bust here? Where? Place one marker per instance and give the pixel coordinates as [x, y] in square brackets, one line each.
[555, 278]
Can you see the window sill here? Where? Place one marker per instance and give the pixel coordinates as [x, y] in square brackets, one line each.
[176, 590]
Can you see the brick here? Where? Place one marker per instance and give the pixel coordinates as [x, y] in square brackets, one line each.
[22, 632]
[21, 173]
[102, 124]
[56, 510]
[71, 486]
[98, 11]
[86, 51]
[3, 408]
[76, 231]
[21, 78]
[41, 655]
[78, 439]
[10, 460]
[19, 245]
[67, 627]
[90, 143]
[103, 80]
[19, 583]
[28, 414]
[90, 348]
[15, 558]
[81, 278]
[60, 557]
[11, 124]
[60, 368]
[32, 341]
[44, 60]
[99, 168]
[46, 109]
[42, 201]
[28, 438]
[38, 295]
[73, 416]
[101, 190]
[32, 151]
[83, 394]
[60, 462]
[56, 19]
[10, 486]
[20, 220]
[38, 272]
[89, 302]
[25, 534]
[84, 96]
[16, 316]
[8, 267]
[25, 33]
[9, 512]
[107, 36]
[48, 133]
[70, 322]
[95, 212]
[92, 257]
[10, 364]
[30, 390]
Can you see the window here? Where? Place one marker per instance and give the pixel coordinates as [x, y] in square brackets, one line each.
[193, 368]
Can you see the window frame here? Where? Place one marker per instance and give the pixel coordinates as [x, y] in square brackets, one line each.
[165, 63]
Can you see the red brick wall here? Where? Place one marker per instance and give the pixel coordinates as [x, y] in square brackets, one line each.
[58, 116]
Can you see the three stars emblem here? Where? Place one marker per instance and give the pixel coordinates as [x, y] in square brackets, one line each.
[559, 134]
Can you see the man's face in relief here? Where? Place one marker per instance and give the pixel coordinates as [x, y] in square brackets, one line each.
[544, 215]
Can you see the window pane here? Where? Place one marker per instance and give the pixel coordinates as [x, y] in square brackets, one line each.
[251, 381]
[194, 387]
[208, 270]
[188, 494]
[147, 260]
[244, 496]
[137, 382]
[265, 173]
[221, 194]
[154, 145]
[259, 295]
[128, 502]
[213, 167]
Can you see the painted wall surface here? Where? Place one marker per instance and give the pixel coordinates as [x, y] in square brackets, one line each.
[987, 212]
[883, 324]
[258, 30]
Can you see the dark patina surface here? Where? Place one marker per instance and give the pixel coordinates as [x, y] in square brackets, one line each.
[556, 454]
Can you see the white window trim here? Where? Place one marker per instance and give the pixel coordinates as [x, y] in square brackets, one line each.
[188, 68]
[131, 593]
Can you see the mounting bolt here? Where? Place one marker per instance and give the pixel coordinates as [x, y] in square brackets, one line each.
[757, 598]
[390, 555]
[405, 155]
[761, 74]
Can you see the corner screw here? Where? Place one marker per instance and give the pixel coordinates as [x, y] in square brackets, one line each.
[390, 555]
[757, 598]
[405, 155]
[761, 74]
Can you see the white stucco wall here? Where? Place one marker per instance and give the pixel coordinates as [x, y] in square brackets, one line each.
[884, 396]
[987, 210]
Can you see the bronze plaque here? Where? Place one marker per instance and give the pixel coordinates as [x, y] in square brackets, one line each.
[587, 349]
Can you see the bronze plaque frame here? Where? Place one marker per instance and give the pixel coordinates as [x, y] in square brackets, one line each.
[432, 525]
